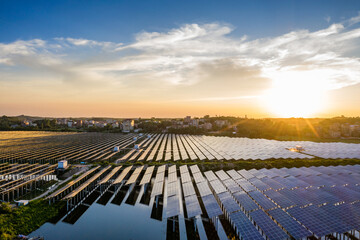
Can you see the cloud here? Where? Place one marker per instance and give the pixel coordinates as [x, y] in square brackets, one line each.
[199, 61]
[327, 19]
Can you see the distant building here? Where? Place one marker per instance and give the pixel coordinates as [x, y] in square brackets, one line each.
[221, 123]
[70, 123]
[79, 123]
[207, 126]
[128, 125]
[194, 122]
[62, 165]
[187, 119]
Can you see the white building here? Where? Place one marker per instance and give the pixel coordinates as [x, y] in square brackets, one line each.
[128, 125]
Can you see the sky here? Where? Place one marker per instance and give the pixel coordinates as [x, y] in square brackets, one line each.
[178, 58]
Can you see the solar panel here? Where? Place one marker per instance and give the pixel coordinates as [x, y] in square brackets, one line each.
[244, 226]
[192, 206]
[160, 177]
[146, 179]
[246, 174]
[272, 183]
[296, 230]
[204, 189]
[269, 227]
[194, 169]
[280, 199]
[259, 184]
[135, 175]
[198, 177]
[210, 176]
[183, 169]
[188, 189]
[172, 169]
[245, 201]
[319, 228]
[173, 206]
[185, 177]
[161, 169]
[217, 186]
[263, 201]
[222, 175]
[157, 189]
[294, 197]
[211, 206]
[248, 187]
[228, 202]
[172, 177]
[234, 174]
[172, 189]
[232, 186]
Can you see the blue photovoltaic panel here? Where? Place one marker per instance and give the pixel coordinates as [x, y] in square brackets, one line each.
[259, 184]
[248, 187]
[192, 206]
[347, 213]
[228, 202]
[268, 226]
[335, 224]
[319, 228]
[188, 189]
[211, 206]
[245, 201]
[232, 185]
[280, 199]
[204, 189]
[294, 197]
[217, 186]
[262, 200]
[244, 226]
[173, 207]
[272, 183]
[292, 227]
[320, 196]
[344, 193]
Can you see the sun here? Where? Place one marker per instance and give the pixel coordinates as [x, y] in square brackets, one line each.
[294, 97]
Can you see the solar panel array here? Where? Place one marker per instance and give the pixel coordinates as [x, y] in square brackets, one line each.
[286, 203]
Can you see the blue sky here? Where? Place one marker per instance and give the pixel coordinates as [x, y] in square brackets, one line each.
[119, 21]
[178, 58]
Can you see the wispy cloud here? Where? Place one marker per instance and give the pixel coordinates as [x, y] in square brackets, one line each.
[205, 56]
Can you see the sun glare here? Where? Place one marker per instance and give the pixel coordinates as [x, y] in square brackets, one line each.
[295, 96]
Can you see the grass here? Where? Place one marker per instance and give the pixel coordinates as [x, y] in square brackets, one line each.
[26, 219]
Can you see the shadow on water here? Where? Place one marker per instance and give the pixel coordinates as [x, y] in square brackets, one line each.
[103, 200]
[172, 229]
[156, 212]
[146, 197]
[120, 195]
[191, 231]
[57, 218]
[91, 199]
[76, 214]
[131, 200]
